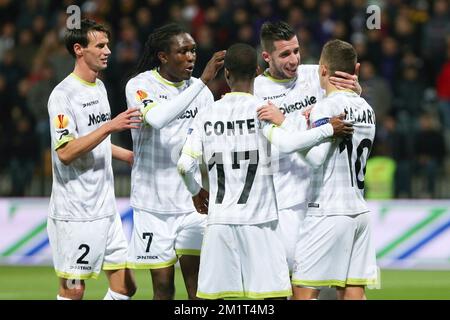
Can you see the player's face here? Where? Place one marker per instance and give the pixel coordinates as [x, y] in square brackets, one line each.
[285, 59]
[97, 52]
[178, 63]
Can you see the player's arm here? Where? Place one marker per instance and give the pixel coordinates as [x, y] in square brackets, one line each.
[287, 140]
[188, 164]
[73, 148]
[345, 80]
[316, 155]
[122, 154]
[159, 115]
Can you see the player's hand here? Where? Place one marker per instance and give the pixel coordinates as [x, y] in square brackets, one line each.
[125, 120]
[201, 201]
[271, 113]
[341, 128]
[347, 81]
[213, 66]
[307, 113]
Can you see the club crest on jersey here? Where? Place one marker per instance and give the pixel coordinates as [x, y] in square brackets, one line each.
[320, 122]
[141, 95]
[190, 130]
[61, 121]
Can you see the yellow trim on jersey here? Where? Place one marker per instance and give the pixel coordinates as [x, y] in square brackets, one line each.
[146, 109]
[361, 282]
[64, 140]
[164, 81]
[237, 93]
[74, 276]
[92, 84]
[319, 283]
[114, 266]
[188, 252]
[267, 75]
[340, 90]
[191, 153]
[269, 136]
[238, 294]
[133, 265]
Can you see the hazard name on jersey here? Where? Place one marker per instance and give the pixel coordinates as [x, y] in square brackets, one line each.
[230, 128]
[360, 116]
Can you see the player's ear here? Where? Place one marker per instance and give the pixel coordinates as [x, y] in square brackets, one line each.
[78, 49]
[162, 56]
[226, 74]
[266, 56]
[323, 70]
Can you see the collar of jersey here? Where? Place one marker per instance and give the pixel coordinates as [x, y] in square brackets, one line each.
[346, 91]
[164, 81]
[267, 74]
[236, 93]
[91, 84]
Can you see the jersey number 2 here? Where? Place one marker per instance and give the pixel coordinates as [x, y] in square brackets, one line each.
[237, 156]
[85, 253]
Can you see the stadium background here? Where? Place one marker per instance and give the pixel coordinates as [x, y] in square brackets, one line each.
[405, 76]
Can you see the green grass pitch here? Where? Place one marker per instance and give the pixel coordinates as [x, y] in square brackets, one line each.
[22, 283]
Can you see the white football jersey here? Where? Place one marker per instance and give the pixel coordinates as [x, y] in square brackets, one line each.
[292, 96]
[337, 187]
[83, 190]
[230, 139]
[155, 183]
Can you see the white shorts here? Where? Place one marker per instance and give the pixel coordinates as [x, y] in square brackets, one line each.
[158, 239]
[243, 261]
[289, 224]
[335, 251]
[81, 248]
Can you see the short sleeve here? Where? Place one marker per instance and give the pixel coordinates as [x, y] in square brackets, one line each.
[62, 121]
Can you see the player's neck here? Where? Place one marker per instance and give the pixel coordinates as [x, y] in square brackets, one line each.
[83, 72]
[242, 86]
[329, 88]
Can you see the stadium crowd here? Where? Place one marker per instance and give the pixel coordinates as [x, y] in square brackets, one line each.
[405, 73]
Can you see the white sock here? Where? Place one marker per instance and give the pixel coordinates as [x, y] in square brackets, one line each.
[111, 295]
[58, 297]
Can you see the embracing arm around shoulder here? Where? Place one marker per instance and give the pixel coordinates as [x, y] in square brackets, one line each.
[73, 148]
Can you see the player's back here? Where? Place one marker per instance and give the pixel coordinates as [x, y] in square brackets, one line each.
[337, 187]
[235, 152]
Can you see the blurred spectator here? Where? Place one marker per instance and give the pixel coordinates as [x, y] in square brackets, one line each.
[389, 60]
[375, 90]
[443, 90]
[434, 36]
[7, 40]
[25, 50]
[409, 94]
[144, 19]
[429, 152]
[24, 150]
[396, 144]
[37, 98]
